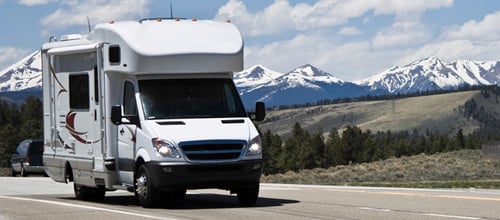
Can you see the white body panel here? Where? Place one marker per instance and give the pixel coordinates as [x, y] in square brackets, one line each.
[84, 77]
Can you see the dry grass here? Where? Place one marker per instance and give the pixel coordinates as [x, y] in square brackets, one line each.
[453, 169]
[434, 113]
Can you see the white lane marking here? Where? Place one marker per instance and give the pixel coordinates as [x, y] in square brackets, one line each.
[451, 216]
[422, 213]
[86, 207]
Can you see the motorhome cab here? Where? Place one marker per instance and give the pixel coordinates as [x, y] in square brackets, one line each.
[149, 107]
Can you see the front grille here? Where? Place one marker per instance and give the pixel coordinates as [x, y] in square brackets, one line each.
[212, 150]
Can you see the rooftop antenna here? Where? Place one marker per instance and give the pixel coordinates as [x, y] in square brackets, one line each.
[171, 11]
[88, 23]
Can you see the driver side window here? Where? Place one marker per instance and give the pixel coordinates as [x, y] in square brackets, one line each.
[129, 103]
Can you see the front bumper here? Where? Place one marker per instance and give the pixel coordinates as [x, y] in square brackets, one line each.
[230, 175]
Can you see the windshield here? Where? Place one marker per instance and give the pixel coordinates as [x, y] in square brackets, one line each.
[190, 98]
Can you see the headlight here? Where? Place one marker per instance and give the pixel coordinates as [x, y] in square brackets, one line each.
[255, 147]
[165, 148]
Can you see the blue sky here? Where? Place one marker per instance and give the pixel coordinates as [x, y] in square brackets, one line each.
[351, 39]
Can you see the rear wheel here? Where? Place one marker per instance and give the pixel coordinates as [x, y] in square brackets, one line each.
[145, 192]
[248, 196]
[88, 193]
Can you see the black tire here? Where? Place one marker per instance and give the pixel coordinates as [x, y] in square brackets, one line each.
[145, 191]
[23, 172]
[88, 193]
[81, 192]
[248, 196]
[12, 172]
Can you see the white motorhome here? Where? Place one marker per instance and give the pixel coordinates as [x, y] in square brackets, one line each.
[149, 107]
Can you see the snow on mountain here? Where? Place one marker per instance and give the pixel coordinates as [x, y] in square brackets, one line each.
[25, 74]
[305, 84]
[307, 76]
[254, 78]
[308, 84]
[433, 74]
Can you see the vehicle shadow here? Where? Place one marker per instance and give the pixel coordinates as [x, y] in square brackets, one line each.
[195, 201]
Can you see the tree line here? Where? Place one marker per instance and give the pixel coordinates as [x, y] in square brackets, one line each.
[18, 122]
[304, 150]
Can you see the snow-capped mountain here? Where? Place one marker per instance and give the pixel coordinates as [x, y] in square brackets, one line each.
[25, 74]
[305, 84]
[433, 74]
[254, 78]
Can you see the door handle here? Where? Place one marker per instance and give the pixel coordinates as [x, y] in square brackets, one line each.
[122, 131]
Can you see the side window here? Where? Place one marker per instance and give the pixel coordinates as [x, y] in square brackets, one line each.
[114, 55]
[79, 92]
[129, 104]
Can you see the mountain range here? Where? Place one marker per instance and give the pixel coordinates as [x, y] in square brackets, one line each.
[307, 84]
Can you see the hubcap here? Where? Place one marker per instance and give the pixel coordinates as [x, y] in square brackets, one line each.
[141, 187]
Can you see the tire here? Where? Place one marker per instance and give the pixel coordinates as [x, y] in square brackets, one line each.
[248, 196]
[145, 191]
[23, 172]
[12, 172]
[81, 192]
[88, 193]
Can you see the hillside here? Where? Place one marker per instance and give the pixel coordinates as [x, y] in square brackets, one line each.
[434, 113]
[465, 168]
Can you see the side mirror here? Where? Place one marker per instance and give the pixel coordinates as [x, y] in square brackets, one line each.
[116, 114]
[260, 111]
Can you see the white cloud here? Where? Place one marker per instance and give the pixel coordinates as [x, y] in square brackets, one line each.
[36, 2]
[315, 43]
[485, 30]
[11, 55]
[402, 34]
[76, 12]
[280, 16]
[350, 31]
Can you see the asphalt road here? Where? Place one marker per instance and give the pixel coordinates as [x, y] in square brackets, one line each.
[41, 198]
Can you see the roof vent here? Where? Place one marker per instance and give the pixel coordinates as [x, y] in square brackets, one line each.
[71, 37]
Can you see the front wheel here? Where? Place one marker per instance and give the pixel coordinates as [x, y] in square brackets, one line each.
[248, 196]
[145, 192]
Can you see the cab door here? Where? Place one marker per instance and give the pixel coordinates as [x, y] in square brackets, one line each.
[127, 134]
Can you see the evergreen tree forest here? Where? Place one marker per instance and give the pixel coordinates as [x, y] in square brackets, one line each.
[18, 122]
[304, 150]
